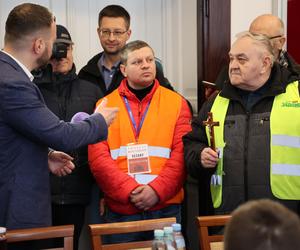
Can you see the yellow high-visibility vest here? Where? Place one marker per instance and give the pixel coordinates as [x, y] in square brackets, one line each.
[284, 145]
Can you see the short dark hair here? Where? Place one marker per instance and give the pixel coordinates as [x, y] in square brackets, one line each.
[132, 46]
[262, 225]
[25, 19]
[114, 11]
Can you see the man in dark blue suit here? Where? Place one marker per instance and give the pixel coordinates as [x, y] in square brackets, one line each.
[28, 127]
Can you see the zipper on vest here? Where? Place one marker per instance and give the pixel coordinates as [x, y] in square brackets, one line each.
[246, 156]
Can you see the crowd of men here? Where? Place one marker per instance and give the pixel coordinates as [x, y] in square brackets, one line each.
[120, 125]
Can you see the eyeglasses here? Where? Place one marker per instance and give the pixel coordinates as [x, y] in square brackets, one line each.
[116, 33]
[273, 37]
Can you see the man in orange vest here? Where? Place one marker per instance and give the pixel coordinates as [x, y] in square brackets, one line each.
[140, 167]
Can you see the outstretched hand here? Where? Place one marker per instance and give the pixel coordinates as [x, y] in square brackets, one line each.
[60, 163]
[109, 114]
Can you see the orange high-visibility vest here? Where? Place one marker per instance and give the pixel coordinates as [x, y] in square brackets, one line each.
[157, 131]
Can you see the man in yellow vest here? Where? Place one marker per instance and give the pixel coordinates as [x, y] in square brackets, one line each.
[258, 137]
[140, 167]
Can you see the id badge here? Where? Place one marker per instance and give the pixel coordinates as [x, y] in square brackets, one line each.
[138, 159]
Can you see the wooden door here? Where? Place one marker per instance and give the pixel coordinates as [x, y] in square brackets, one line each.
[293, 34]
[213, 31]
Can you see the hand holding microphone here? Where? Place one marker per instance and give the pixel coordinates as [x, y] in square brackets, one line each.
[108, 113]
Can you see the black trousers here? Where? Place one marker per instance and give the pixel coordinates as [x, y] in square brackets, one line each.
[72, 214]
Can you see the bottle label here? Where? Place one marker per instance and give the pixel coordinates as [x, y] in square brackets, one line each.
[180, 244]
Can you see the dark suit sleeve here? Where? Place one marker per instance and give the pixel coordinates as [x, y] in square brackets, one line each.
[24, 110]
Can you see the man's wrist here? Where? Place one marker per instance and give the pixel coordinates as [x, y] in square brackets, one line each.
[50, 151]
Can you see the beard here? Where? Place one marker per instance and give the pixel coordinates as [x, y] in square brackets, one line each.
[43, 60]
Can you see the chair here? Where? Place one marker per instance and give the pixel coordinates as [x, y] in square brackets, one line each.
[211, 241]
[28, 234]
[97, 230]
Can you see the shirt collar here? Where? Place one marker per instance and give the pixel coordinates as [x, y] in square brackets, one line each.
[27, 72]
[102, 65]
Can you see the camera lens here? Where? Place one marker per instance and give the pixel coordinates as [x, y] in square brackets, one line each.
[59, 51]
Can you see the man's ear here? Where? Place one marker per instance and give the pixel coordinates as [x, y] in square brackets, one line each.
[282, 41]
[98, 32]
[267, 64]
[123, 69]
[128, 34]
[38, 46]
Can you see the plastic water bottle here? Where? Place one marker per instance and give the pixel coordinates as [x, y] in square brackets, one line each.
[178, 237]
[169, 238]
[158, 242]
[3, 243]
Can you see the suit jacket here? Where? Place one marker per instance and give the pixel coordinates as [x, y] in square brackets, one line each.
[27, 129]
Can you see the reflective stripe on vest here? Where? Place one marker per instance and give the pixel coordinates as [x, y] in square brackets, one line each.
[219, 110]
[285, 144]
[152, 150]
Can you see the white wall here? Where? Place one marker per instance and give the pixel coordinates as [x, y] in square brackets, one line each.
[244, 11]
[169, 26]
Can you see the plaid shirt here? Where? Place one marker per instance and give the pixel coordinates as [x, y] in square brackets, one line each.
[282, 60]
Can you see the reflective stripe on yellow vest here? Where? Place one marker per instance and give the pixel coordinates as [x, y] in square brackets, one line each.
[285, 144]
[157, 130]
[219, 110]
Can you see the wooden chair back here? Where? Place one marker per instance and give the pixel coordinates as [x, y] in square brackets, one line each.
[98, 230]
[41, 233]
[211, 241]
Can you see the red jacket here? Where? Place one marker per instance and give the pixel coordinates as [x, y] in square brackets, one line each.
[117, 184]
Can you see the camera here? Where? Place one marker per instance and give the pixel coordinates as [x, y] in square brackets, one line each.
[59, 51]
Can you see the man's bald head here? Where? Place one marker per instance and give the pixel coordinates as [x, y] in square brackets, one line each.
[271, 26]
[268, 25]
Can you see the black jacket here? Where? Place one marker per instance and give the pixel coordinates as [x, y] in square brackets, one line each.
[247, 137]
[66, 95]
[91, 73]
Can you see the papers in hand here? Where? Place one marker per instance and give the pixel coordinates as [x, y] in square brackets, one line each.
[209, 84]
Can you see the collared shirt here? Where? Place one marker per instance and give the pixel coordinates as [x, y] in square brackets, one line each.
[107, 73]
[27, 72]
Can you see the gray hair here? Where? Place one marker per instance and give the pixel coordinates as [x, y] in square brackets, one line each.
[261, 40]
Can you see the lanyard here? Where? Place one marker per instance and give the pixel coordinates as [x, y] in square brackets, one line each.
[137, 129]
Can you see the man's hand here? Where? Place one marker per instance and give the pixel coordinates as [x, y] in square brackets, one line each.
[109, 114]
[209, 158]
[60, 163]
[144, 197]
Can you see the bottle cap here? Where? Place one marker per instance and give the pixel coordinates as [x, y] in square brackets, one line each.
[2, 230]
[168, 230]
[158, 233]
[176, 227]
